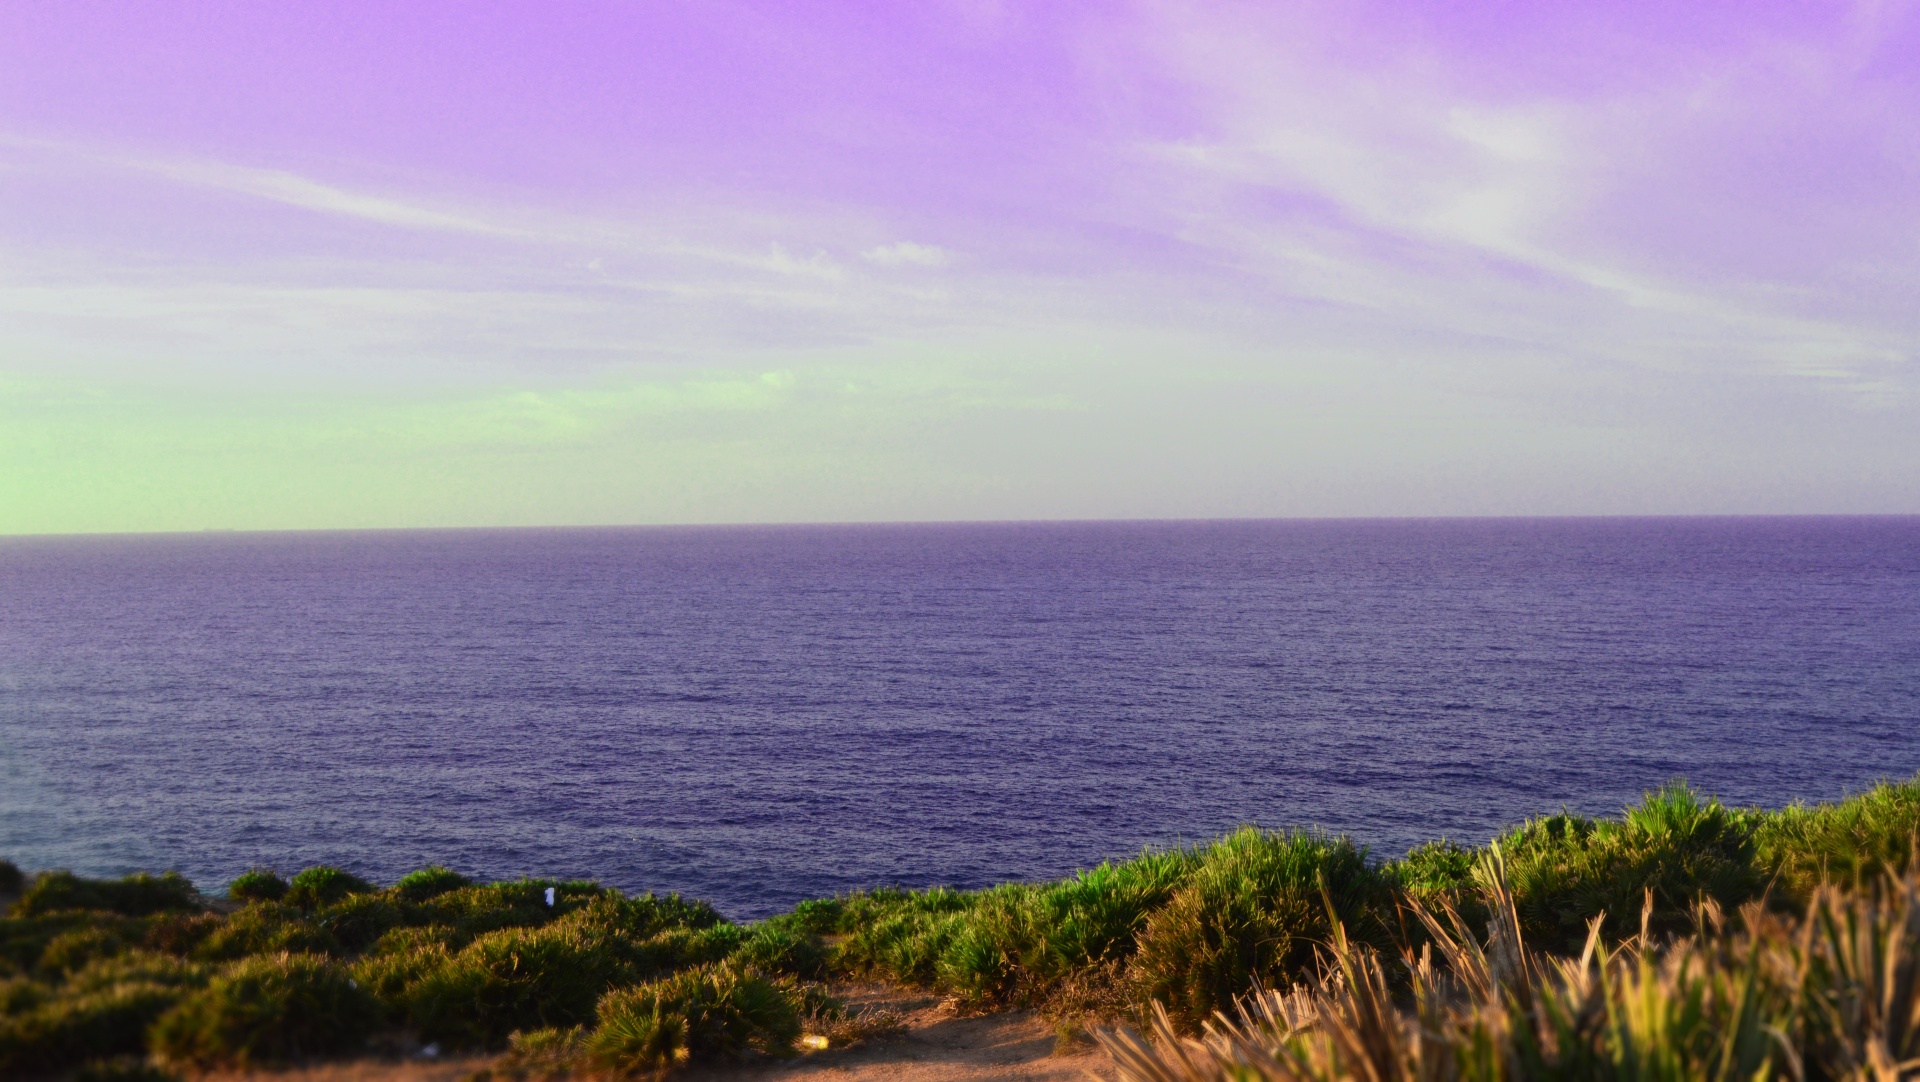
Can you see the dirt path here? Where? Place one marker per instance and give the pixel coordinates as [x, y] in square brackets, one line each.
[939, 1045]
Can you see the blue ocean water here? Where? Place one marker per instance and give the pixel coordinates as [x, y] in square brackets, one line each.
[759, 715]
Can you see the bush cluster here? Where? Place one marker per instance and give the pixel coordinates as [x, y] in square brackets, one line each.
[112, 976]
[268, 1009]
[109, 978]
[1195, 929]
[135, 896]
[703, 1013]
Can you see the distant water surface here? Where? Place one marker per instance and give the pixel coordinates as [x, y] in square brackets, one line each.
[759, 715]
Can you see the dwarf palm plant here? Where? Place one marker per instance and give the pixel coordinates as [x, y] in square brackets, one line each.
[1833, 993]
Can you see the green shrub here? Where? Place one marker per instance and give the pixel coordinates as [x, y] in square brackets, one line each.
[430, 882]
[258, 885]
[645, 915]
[974, 964]
[673, 949]
[135, 967]
[357, 921]
[266, 1010]
[539, 967]
[179, 933]
[18, 995]
[12, 881]
[1255, 913]
[394, 970]
[1097, 916]
[634, 1042]
[324, 885]
[1566, 870]
[24, 939]
[1435, 866]
[780, 948]
[1014, 942]
[477, 910]
[413, 937]
[266, 928]
[70, 1029]
[134, 896]
[819, 916]
[900, 934]
[69, 951]
[702, 1014]
[518, 978]
[702, 945]
[1847, 842]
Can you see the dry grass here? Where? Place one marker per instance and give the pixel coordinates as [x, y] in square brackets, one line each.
[1829, 993]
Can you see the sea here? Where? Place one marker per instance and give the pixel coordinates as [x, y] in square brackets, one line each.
[758, 715]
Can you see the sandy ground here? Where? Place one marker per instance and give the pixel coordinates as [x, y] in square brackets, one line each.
[940, 1045]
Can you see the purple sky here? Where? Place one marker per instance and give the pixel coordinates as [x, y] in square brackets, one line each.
[353, 264]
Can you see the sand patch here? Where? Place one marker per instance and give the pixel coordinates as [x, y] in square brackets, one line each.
[940, 1045]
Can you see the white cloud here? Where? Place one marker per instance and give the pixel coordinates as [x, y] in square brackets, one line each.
[780, 261]
[298, 191]
[908, 254]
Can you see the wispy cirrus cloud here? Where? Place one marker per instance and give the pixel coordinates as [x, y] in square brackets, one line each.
[294, 190]
[1405, 180]
[1390, 256]
[271, 185]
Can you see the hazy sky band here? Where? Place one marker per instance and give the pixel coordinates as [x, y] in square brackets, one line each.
[358, 264]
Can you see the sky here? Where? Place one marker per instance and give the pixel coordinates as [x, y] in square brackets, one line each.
[352, 264]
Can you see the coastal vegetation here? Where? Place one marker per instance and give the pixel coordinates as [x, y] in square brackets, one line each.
[1264, 954]
[1826, 990]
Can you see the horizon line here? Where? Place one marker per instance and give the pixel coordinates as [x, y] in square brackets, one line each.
[934, 523]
